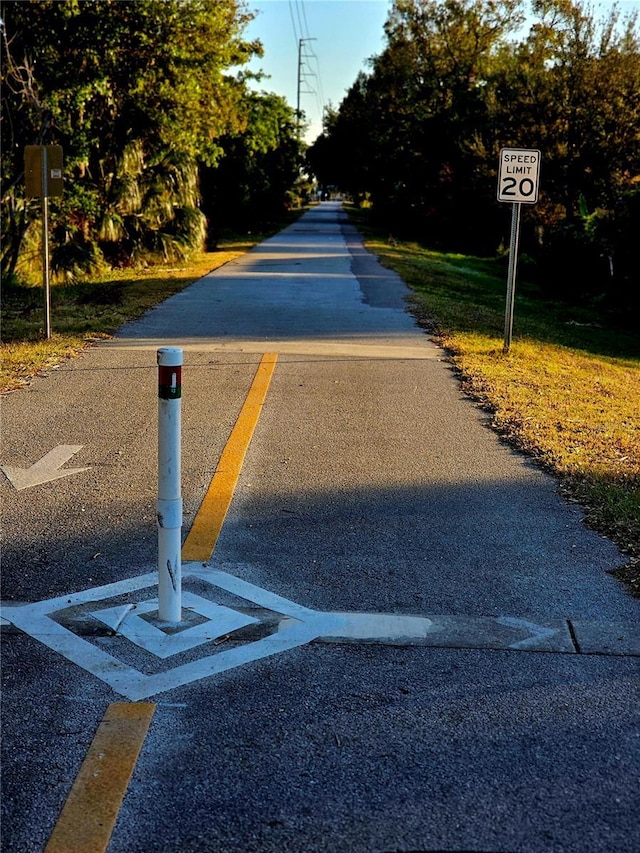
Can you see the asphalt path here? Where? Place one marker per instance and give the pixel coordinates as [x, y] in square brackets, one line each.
[504, 717]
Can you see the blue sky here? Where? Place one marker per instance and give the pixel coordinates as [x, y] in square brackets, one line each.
[346, 33]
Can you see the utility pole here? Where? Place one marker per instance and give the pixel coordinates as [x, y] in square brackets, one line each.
[302, 76]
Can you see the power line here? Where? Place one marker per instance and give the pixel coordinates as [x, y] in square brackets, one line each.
[296, 35]
[304, 15]
[303, 29]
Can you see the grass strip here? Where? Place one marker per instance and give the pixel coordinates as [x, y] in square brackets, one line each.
[567, 393]
[90, 310]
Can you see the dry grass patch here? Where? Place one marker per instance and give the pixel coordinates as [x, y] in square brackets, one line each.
[578, 414]
[88, 311]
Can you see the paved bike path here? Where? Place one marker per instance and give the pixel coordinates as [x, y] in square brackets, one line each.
[371, 485]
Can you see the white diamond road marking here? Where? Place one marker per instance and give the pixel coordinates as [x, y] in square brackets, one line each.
[130, 624]
[36, 620]
[298, 626]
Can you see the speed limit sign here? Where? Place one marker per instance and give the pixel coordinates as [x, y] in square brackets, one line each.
[518, 175]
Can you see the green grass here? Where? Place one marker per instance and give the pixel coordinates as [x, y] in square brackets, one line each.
[567, 393]
[89, 310]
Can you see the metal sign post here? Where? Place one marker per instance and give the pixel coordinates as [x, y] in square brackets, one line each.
[45, 242]
[518, 179]
[511, 275]
[43, 178]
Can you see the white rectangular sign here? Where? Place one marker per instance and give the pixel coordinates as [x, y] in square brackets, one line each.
[518, 175]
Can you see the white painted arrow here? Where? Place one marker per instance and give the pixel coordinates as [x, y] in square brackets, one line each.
[44, 470]
[538, 633]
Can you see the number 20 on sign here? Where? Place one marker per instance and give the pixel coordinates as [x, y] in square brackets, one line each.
[519, 174]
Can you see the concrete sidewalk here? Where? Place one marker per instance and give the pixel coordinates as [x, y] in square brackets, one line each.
[404, 638]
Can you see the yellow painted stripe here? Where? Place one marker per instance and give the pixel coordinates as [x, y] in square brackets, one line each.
[207, 524]
[91, 810]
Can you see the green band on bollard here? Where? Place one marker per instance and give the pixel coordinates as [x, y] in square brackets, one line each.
[169, 383]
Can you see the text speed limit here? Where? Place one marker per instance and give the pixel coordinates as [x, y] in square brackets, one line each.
[518, 175]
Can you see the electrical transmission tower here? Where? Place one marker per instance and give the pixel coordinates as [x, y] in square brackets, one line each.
[304, 74]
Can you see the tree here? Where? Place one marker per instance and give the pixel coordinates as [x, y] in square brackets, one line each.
[572, 89]
[137, 91]
[455, 83]
[343, 154]
[413, 122]
[249, 186]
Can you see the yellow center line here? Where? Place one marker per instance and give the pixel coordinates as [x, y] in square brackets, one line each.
[209, 519]
[90, 812]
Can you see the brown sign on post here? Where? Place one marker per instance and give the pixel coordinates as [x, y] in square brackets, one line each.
[43, 166]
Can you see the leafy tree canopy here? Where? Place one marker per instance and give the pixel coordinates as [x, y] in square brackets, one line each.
[458, 80]
[138, 93]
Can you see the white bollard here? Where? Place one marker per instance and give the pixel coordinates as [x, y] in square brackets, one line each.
[169, 490]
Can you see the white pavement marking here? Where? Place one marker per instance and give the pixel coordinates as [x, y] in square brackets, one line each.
[388, 348]
[37, 621]
[538, 632]
[296, 626]
[44, 470]
[375, 626]
[220, 621]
